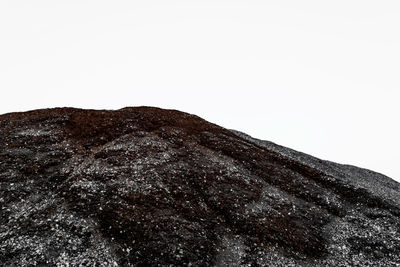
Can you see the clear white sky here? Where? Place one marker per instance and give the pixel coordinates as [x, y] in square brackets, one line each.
[322, 77]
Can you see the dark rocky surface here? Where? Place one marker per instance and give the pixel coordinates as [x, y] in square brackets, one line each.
[152, 187]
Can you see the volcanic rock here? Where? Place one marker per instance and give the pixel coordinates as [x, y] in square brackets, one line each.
[152, 187]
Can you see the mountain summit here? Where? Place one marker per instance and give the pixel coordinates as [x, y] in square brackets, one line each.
[151, 187]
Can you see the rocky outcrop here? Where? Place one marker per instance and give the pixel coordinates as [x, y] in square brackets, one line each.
[151, 187]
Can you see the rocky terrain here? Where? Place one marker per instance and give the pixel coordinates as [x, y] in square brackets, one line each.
[151, 187]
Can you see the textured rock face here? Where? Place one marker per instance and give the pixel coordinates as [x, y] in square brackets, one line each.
[148, 187]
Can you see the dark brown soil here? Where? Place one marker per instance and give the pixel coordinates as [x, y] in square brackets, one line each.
[162, 187]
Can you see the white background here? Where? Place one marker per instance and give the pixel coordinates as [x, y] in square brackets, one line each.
[322, 77]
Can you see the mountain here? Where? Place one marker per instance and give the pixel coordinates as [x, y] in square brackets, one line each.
[151, 187]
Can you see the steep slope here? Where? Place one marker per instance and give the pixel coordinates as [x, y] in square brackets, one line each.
[146, 187]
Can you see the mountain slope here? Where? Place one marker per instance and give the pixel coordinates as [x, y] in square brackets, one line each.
[145, 186]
